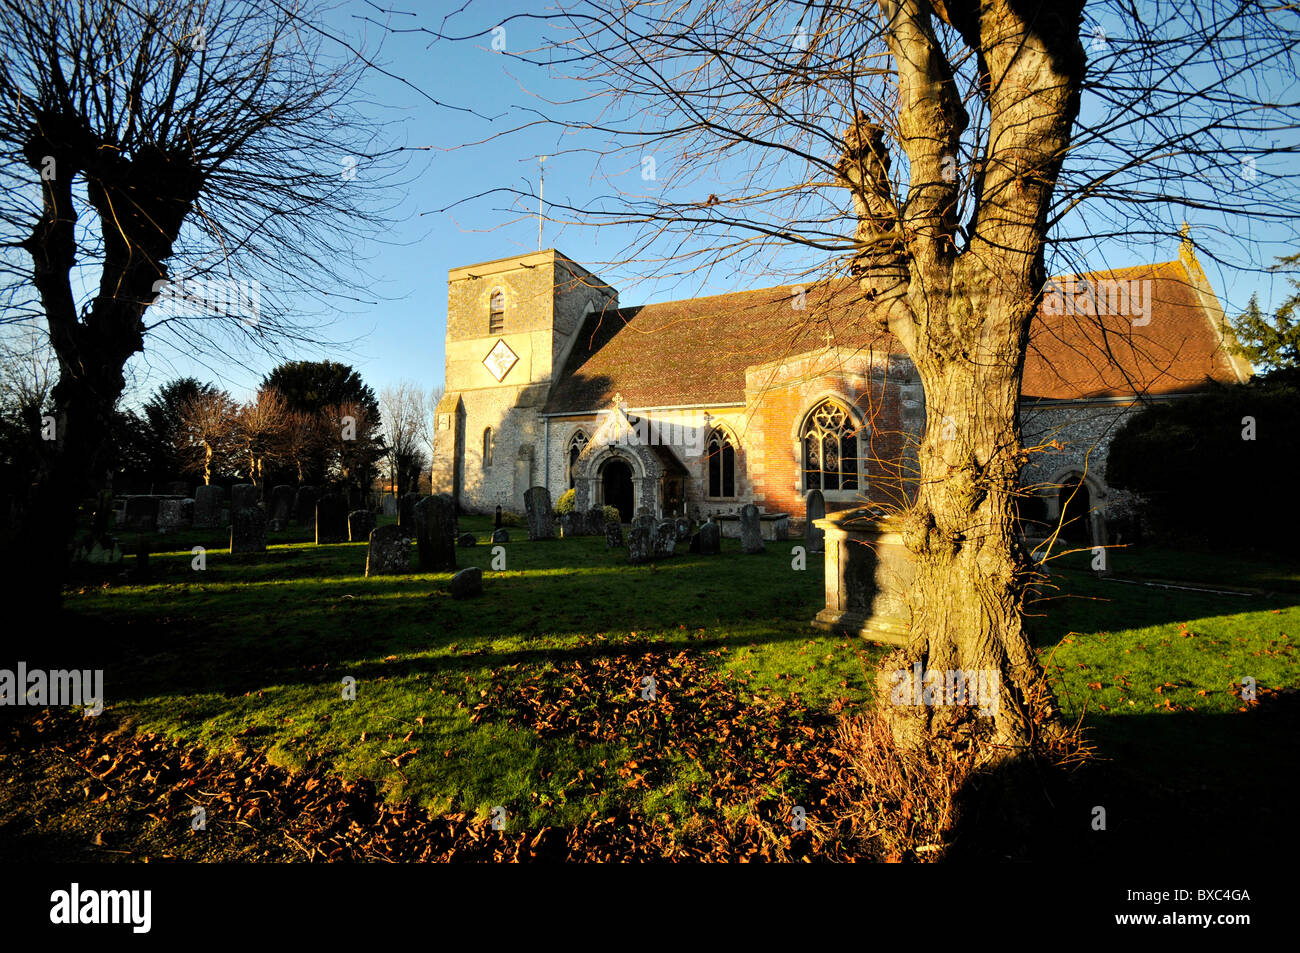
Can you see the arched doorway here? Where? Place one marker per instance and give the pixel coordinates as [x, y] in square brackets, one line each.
[616, 485]
[1075, 507]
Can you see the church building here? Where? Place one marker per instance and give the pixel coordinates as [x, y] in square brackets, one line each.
[700, 406]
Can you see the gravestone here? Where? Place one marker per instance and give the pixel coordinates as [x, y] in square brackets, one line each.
[406, 512]
[140, 513]
[613, 535]
[247, 530]
[683, 529]
[360, 525]
[242, 496]
[567, 522]
[665, 540]
[276, 526]
[596, 520]
[694, 545]
[710, 539]
[435, 529]
[390, 505]
[496, 520]
[331, 519]
[751, 530]
[103, 515]
[174, 515]
[500, 536]
[640, 543]
[466, 539]
[281, 508]
[467, 583]
[207, 507]
[304, 506]
[541, 519]
[645, 521]
[389, 552]
[100, 550]
[814, 538]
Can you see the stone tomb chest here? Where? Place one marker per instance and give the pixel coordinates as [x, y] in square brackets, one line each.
[868, 573]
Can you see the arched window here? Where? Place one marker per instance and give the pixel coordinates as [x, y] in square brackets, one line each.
[576, 443]
[497, 312]
[722, 465]
[487, 446]
[830, 449]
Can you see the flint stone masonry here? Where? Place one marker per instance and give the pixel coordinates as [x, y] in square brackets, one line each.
[435, 533]
[751, 534]
[304, 506]
[331, 519]
[281, 507]
[247, 530]
[389, 552]
[537, 508]
[467, 583]
[361, 523]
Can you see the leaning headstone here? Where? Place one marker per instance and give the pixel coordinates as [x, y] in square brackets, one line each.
[360, 525]
[140, 514]
[389, 552]
[174, 515]
[331, 519]
[242, 496]
[406, 512]
[304, 506]
[751, 530]
[247, 530]
[683, 529]
[665, 540]
[613, 535]
[596, 520]
[814, 538]
[390, 505]
[281, 504]
[710, 538]
[500, 535]
[466, 539]
[467, 583]
[435, 533]
[541, 520]
[640, 543]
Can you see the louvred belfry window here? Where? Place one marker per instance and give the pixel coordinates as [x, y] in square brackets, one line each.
[497, 313]
[830, 449]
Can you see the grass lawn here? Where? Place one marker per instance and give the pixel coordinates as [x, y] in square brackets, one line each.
[252, 652]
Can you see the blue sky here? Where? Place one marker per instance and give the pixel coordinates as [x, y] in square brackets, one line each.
[401, 335]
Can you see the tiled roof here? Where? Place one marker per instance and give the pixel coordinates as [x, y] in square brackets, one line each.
[695, 351]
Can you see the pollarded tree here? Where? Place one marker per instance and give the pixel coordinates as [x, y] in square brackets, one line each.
[353, 443]
[187, 168]
[939, 152]
[205, 440]
[260, 431]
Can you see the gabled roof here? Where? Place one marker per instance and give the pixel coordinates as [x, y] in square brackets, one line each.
[695, 351]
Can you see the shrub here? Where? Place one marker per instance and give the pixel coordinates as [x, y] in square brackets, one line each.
[509, 518]
[612, 514]
[565, 503]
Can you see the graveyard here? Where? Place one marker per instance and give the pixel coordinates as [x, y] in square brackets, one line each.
[581, 701]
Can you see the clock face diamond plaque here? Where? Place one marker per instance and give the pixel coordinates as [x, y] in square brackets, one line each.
[500, 359]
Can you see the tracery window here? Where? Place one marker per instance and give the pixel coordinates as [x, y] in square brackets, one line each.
[722, 465]
[576, 444]
[830, 449]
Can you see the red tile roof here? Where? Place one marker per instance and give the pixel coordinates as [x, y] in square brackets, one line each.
[695, 351]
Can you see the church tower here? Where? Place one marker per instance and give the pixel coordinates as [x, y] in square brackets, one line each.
[510, 326]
